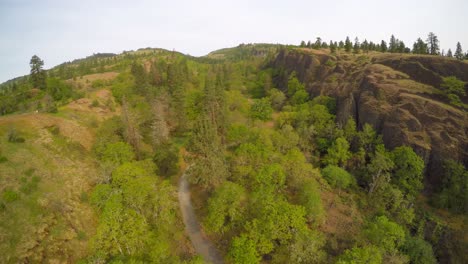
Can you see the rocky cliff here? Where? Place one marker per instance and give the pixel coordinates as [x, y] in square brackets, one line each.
[397, 94]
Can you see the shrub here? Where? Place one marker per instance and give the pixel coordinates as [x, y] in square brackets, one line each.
[95, 103]
[10, 196]
[14, 137]
[337, 177]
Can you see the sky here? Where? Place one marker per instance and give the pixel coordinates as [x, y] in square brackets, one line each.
[60, 31]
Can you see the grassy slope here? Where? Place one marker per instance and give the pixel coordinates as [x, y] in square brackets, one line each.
[52, 172]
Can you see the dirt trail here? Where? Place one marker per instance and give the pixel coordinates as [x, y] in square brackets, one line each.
[201, 244]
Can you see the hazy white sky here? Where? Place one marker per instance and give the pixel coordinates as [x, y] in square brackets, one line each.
[59, 31]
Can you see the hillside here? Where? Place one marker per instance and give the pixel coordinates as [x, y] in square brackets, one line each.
[292, 155]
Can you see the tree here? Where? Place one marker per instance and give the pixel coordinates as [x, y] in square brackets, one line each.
[300, 97]
[159, 126]
[303, 44]
[210, 168]
[318, 43]
[385, 234]
[121, 231]
[131, 131]
[277, 99]
[306, 248]
[358, 255]
[420, 47]
[59, 90]
[243, 251]
[117, 153]
[419, 251]
[368, 138]
[166, 158]
[453, 192]
[433, 44]
[408, 170]
[356, 46]
[449, 53]
[338, 153]
[38, 75]
[332, 47]
[459, 52]
[261, 109]
[140, 77]
[393, 44]
[348, 45]
[294, 84]
[341, 44]
[309, 197]
[453, 89]
[383, 46]
[379, 169]
[337, 177]
[226, 207]
[365, 46]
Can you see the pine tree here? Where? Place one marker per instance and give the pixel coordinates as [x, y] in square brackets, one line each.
[365, 46]
[38, 75]
[383, 46]
[433, 44]
[401, 46]
[318, 43]
[449, 53]
[341, 44]
[155, 76]
[159, 126]
[348, 45]
[459, 52]
[420, 47]
[332, 47]
[393, 44]
[356, 46]
[131, 131]
[303, 44]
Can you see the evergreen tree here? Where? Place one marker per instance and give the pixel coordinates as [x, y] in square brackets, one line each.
[356, 46]
[332, 47]
[348, 45]
[433, 44]
[318, 43]
[303, 44]
[383, 46]
[139, 75]
[459, 52]
[449, 53]
[38, 75]
[401, 46]
[420, 47]
[393, 44]
[365, 46]
[341, 44]
[131, 131]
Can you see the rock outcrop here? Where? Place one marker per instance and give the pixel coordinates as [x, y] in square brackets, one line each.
[397, 94]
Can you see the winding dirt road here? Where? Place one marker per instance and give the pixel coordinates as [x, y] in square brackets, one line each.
[201, 244]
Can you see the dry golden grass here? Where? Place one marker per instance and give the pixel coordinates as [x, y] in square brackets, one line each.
[49, 223]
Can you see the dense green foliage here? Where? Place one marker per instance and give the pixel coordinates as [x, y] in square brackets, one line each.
[275, 177]
[453, 88]
[453, 192]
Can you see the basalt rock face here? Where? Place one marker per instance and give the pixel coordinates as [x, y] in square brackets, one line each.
[398, 95]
